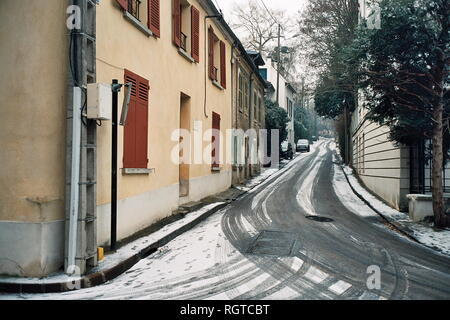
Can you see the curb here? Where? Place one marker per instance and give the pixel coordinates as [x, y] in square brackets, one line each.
[394, 224]
[101, 277]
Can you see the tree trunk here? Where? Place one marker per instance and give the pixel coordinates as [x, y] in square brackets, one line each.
[437, 170]
[440, 218]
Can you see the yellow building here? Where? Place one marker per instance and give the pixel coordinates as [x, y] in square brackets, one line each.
[177, 69]
[177, 54]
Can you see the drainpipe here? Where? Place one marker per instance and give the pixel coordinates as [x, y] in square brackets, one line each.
[74, 139]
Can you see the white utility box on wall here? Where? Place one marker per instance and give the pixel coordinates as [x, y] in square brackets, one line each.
[99, 101]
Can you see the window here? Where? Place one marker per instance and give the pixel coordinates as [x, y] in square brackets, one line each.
[134, 7]
[242, 80]
[243, 92]
[135, 153]
[263, 73]
[146, 12]
[217, 58]
[290, 108]
[186, 28]
[215, 141]
[154, 17]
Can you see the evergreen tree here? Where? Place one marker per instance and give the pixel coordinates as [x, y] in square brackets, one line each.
[404, 72]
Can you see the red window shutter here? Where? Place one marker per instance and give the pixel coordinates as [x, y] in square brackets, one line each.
[211, 38]
[154, 17]
[142, 125]
[215, 141]
[223, 65]
[195, 34]
[176, 22]
[135, 154]
[123, 4]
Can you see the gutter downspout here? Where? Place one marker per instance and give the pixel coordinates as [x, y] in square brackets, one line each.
[73, 140]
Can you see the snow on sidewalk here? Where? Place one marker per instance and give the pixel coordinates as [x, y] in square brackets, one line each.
[123, 253]
[423, 232]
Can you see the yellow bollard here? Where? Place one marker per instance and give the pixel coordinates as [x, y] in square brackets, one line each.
[100, 254]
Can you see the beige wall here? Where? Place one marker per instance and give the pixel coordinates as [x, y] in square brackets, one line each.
[120, 46]
[33, 57]
[382, 165]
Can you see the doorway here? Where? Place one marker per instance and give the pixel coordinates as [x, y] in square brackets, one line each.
[185, 146]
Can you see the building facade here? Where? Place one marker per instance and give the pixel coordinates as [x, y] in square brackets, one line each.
[286, 95]
[176, 54]
[248, 113]
[389, 170]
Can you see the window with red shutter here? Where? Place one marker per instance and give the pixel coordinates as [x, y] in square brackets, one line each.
[135, 153]
[176, 22]
[211, 42]
[154, 17]
[215, 141]
[223, 65]
[195, 34]
[123, 4]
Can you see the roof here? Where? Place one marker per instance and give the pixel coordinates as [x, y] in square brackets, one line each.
[258, 60]
[236, 41]
[289, 85]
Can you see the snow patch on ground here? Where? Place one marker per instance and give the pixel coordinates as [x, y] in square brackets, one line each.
[123, 253]
[423, 232]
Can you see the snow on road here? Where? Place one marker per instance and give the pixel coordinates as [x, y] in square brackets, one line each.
[439, 240]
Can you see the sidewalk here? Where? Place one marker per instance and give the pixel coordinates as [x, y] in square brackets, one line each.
[422, 232]
[115, 264]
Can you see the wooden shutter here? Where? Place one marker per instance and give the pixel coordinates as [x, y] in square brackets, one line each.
[154, 17]
[195, 34]
[135, 154]
[123, 4]
[176, 22]
[215, 141]
[223, 65]
[211, 38]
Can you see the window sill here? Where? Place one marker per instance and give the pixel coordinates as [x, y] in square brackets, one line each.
[134, 171]
[215, 83]
[185, 55]
[137, 24]
[215, 169]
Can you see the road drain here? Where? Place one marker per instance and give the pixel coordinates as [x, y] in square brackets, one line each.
[319, 219]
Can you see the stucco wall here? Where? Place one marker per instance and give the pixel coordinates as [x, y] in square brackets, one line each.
[33, 57]
[120, 46]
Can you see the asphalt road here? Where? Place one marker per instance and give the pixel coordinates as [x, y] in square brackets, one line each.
[266, 245]
[341, 250]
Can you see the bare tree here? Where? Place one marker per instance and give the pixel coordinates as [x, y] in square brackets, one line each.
[327, 26]
[259, 27]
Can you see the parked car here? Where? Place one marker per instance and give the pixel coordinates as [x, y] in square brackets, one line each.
[287, 150]
[303, 146]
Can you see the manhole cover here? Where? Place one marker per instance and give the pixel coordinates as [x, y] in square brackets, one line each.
[319, 219]
[273, 243]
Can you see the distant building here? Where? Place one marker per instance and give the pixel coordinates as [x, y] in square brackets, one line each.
[286, 95]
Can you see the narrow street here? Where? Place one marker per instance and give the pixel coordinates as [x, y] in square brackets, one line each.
[272, 244]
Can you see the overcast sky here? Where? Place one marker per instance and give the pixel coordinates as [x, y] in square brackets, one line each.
[290, 6]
